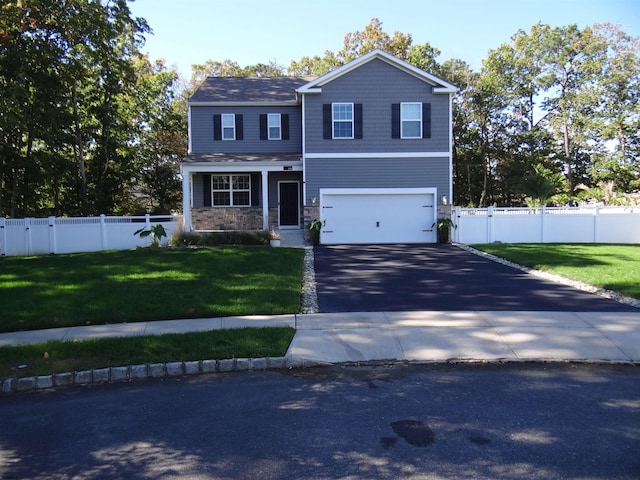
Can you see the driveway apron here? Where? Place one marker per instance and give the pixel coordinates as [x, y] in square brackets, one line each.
[366, 278]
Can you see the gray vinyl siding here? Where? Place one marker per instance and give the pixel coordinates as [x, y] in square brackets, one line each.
[202, 131]
[376, 173]
[377, 85]
[275, 177]
[197, 191]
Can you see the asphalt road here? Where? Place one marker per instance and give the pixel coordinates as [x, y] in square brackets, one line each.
[365, 278]
[514, 421]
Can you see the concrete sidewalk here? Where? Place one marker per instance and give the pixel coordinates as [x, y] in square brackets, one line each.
[445, 336]
[325, 338]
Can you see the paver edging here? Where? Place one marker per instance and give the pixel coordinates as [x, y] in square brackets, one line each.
[145, 371]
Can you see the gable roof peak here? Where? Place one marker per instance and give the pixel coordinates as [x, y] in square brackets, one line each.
[440, 86]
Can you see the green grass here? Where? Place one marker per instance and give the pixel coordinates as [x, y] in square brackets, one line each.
[147, 284]
[614, 267]
[29, 360]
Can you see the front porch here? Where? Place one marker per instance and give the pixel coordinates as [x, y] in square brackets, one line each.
[242, 193]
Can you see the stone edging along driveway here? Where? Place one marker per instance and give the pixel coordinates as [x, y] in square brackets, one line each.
[556, 278]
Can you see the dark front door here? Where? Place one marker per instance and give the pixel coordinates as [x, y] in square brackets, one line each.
[289, 204]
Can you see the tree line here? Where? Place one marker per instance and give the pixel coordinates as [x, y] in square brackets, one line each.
[89, 125]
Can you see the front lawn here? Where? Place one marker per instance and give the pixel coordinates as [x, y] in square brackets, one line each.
[30, 360]
[147, 284]
[613, 267]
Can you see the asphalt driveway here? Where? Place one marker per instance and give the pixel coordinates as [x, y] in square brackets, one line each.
[366, 278]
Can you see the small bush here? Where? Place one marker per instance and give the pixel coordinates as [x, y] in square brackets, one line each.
[210, 239]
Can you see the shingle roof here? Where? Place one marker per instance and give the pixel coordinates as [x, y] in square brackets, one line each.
[249, 89]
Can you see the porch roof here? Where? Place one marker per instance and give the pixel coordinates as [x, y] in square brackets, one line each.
[222, 158]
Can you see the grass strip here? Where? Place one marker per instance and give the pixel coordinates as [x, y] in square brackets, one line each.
[147, 284]
[610, 266]
[57, 357]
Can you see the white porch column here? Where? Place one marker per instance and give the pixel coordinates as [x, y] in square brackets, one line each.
[186, 200]
[265, 198]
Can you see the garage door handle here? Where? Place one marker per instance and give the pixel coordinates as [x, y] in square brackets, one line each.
[327, 207]
[430, 230]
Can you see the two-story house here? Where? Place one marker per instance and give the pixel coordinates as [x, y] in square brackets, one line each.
[366, 148]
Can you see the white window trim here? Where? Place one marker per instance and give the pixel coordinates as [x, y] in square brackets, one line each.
[269, 127]
[402, 120]
[231, 189]
[222, 126]
[333, 121]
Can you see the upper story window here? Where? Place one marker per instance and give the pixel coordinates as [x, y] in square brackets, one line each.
[231, 190]
[274, 126]
[342, 120]
[228, 126]
[411, 120]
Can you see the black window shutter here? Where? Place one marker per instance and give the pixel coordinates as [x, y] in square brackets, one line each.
[206, 190]
[426, 120]
[357, 120]
[239, 128]
[284, 119]
[326, 121]
[395, 120]
[255, 189]
[263, 127]
[217, 127]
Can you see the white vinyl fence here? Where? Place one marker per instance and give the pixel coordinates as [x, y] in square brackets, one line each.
[35, 236]
[547, 225]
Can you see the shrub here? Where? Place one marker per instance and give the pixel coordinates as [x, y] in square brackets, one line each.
[210, 239]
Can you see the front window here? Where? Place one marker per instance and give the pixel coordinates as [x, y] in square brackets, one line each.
[274, 126]
[342, 114]
[411, 120]
[231, 190]
[228, 126]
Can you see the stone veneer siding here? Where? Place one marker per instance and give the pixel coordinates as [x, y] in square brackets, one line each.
[227, 218]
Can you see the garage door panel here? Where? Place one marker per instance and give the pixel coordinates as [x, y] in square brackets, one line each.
[378, 218]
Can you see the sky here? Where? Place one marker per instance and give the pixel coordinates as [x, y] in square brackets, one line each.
[187, 32]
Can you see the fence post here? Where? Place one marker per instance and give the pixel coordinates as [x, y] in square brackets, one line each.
[103, 232]
[490, 224]
[596, 215]
[27, 236]
[3, 236]
[543, 213]
[53, 247]
[456, 231]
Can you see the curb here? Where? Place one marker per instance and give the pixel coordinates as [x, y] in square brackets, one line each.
[150, 370]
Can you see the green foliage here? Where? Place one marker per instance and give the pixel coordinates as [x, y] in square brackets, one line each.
[210, 239]
[157, 231]
[85, 127]
[541, 185]
[444, 225]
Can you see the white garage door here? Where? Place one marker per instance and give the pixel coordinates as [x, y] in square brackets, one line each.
[378, 215]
